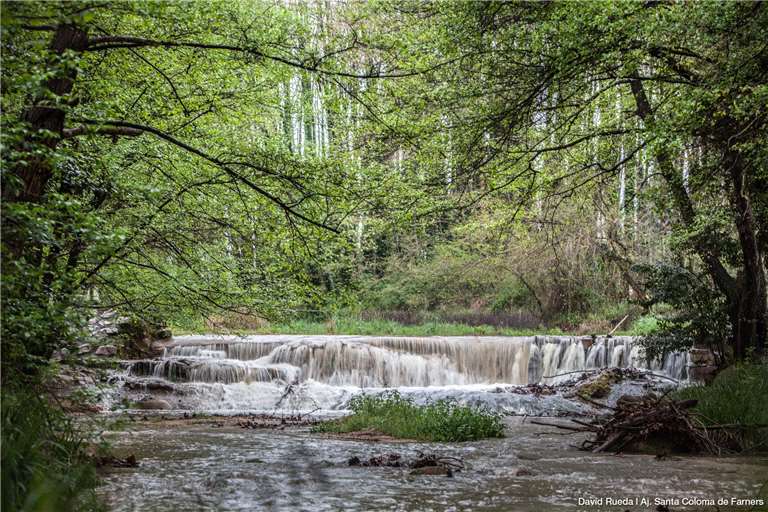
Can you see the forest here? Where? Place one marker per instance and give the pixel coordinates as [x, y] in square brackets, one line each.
[226, 208]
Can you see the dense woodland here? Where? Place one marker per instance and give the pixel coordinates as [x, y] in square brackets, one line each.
[546, 165]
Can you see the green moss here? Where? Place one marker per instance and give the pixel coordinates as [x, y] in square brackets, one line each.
[600, 387]
[394, 415]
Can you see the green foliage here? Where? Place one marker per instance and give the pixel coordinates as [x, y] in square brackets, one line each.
[451, 277]
[441, 421]
[695, 312]
[523, 179]
[737, 396]
[644, 326]
[44, 464]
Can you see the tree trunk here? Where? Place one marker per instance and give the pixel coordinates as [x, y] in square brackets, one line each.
[749, 308]
[746, 295]
[46, 122]
[46, 119]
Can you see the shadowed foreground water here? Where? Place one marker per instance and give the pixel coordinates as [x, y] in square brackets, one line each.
[202, 467]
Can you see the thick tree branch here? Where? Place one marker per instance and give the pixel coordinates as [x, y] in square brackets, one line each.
[115, 131]
[724, 281]
[288, 209]
[45, 28]
[111, 42]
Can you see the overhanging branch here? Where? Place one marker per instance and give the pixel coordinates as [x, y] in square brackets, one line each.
[288, 209]
[114, 131]
[111, 42]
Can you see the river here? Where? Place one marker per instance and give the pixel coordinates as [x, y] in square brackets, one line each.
[202, 467]
[187, 465]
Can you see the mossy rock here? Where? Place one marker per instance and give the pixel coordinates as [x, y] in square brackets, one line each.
[600, 387]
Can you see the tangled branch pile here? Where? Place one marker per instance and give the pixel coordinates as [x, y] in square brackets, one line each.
[651, 421]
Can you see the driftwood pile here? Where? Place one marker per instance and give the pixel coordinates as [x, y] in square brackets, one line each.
[650, 420]
[647, 423]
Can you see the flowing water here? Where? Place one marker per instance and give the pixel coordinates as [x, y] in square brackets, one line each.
[229, 374]
[188, 466]
[207, 468]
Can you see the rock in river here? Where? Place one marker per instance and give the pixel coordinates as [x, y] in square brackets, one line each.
[432, 471]
[152, 404]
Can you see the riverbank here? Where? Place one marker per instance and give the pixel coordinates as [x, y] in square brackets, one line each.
[354, 326]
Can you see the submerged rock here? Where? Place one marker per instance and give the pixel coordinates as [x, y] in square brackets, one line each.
[389, 459]
[424, 464]
[152, 404]
[432, 471]
[150, 385]
[118, 462]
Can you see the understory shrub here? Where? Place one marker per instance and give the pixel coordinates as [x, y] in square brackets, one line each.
[689, 310]
[45, 466]
[397, 416]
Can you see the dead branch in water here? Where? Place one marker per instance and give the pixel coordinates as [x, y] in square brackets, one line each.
[654, 423]
[649, 419]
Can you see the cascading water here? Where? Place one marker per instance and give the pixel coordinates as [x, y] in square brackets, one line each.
[323, 372]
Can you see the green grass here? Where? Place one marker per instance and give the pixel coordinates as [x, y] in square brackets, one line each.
[352, 325]
[377, 328]
[394, 415]
[737, 396]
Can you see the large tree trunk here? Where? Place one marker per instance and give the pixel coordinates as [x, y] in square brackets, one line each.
[46, 122]
[46, 119]
[748, 310]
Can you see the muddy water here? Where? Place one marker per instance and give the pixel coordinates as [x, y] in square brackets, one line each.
[204, 468]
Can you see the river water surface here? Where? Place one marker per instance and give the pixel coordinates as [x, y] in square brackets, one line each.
[200, 467]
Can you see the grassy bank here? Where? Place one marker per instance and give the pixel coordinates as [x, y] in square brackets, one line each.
[365, 327]
[394, 415]
[45, 464]
[387, 328]
[739, 397]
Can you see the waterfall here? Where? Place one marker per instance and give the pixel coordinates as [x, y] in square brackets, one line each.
[263, 372]
[399, 361]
